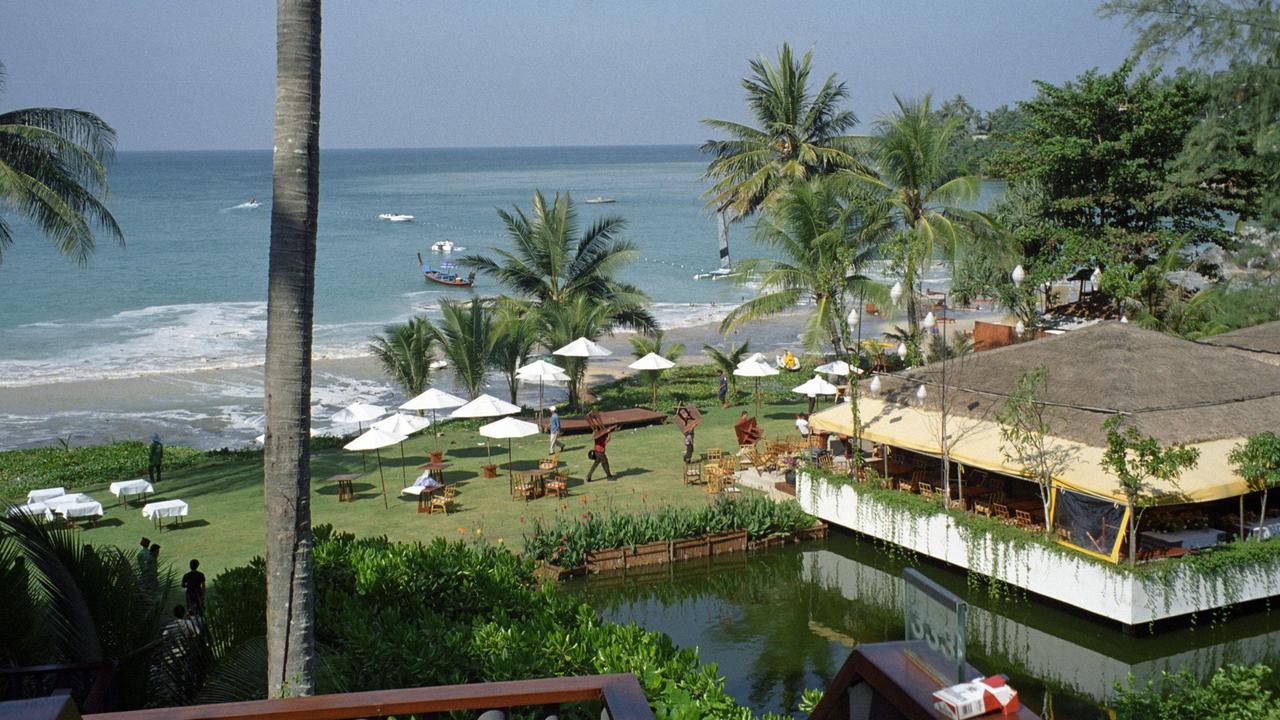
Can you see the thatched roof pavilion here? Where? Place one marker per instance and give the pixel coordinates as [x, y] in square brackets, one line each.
[1260, 341]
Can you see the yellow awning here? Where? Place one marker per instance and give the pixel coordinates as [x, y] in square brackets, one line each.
[977, 443]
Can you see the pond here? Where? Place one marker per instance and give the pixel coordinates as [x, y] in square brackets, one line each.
[783, 620]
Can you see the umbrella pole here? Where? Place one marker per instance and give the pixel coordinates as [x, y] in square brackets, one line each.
[539, 400]
[382, 479]
[403, 480]
[363, 467]
[655, 393]
[757, 398]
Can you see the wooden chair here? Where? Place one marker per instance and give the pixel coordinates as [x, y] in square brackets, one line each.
[558, 484]
[824, 462]
[1064, 535]
[442, 499]
[551, 462]
[713, 476]
[522, 487]
[692, 473]
[906, 487]
[981, 509]
[926, 490]
[917, 477]
[1002, 511]
[714, 454]
[1022, 519]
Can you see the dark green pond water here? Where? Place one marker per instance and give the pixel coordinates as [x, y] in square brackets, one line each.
[783, 620]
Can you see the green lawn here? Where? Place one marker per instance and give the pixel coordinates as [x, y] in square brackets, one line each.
[225, 527]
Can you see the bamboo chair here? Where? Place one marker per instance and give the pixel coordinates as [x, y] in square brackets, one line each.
[981, 509]
[442, 500]
[1023, 519]
[906, 487]
[713, 476]
[714, 454]
[550, 462]
[693, 473]
[558, 484]
[522, 487]
[1002, 511]
[926, 490]
[1064, 534]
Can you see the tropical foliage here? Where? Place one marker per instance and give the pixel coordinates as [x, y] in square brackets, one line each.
[1233, 693]
[1137, 461]
[72, 467]
[405, 351]
[53, 174]
[466, 335]
[567, 541]
[728, 361]
[516, 330]
[1257, 460]
[797, 135]
[910, 177]
[642, 345]
[821, 243]
[564, 322]
[1026, 434]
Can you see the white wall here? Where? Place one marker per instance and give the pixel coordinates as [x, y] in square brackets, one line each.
[1079, 581]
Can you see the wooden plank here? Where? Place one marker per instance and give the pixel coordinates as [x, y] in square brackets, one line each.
[621, 694]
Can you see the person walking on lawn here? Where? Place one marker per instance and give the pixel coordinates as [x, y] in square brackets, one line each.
[155, 459]
[553, 427]
[599, 455]
[723, 392]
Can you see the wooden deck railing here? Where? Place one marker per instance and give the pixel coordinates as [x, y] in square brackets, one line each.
[621, 695]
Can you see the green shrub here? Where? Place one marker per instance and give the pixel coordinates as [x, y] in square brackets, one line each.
[24, 470]
[566, 542]
[394, 615]
[1235, 692]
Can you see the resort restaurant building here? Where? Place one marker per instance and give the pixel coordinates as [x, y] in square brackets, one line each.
[1175, 390]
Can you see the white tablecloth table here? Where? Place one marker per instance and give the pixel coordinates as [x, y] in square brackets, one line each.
[31, 509]
[1189, 539]
[41, 495]
[126, 489]
[57, 503]
[90, 508]
[1269, 529]
[157, 511]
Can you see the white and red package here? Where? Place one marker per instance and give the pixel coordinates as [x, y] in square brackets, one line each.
[977, 698]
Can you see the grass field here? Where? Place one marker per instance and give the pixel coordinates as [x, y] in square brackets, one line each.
[225, 527]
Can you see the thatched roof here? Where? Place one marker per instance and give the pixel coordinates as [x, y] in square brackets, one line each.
[1173, 389]
[1262, 340]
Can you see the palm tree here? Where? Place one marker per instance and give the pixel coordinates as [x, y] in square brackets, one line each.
[553, 262]
[909, 154]
[728, 361]
[295, 192]
[822, 244]
[405, 351]
[566, 321]
[53, 173]
[466, 335]
[797, 135]
[517, 330]
[642, 345]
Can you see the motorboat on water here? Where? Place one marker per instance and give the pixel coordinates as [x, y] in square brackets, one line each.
[442, 246]
[600, 200]
[447, 274]
[395, 217]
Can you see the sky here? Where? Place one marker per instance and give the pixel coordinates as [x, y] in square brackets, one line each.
[200, 75]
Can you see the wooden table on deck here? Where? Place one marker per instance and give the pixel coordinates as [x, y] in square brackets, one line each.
[346, 492]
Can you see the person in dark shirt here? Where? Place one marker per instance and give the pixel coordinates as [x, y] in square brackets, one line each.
[155, 459]
[601, 458]
[193, 582]
[723, 391]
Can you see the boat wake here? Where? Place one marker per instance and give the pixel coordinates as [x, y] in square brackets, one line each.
[250, 205]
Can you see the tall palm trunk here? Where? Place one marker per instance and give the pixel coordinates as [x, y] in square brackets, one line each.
[295, 182]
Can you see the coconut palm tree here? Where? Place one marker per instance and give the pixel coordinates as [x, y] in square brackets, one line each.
[518, 329]
[566, 321]
[405, 351]
[53, 174]
[822, 243]
[909, 158]
[466, 334]
[553, 261]
[728, 361]
[797, 135]
[295, 192]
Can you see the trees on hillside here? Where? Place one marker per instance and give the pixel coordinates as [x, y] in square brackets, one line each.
[53, 174]
[798, 133]
[295, 192]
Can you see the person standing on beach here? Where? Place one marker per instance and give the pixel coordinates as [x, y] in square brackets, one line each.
[155, 459]
[723, 392]
[553, 427]
[599, 455]
[193, 583]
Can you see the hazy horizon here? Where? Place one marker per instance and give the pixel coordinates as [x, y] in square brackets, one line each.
[570, 74]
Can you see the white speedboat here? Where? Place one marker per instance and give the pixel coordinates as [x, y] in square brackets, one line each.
[395, 217]
[600, 200]
[443, 246]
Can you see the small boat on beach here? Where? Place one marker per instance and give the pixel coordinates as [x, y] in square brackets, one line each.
[600, 200]
[447, 274]
[395, 217]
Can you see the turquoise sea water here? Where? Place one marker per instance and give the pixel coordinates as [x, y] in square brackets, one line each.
[187, 292]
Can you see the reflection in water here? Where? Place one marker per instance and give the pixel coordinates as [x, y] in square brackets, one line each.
[783, 620]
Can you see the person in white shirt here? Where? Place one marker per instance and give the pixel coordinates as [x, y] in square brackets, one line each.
[802, 424]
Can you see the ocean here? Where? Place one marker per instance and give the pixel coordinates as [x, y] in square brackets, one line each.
[166, 334]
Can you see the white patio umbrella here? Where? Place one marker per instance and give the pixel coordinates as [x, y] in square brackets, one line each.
[485, 406]
[755, 370]
[433, 400]
[815, 386]
[838, 367]
[375, 439]
[508, 428]
[653, 361]
[583, 347]
[401, 424]
[541, 371]
[359, 413]
[755, 358]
